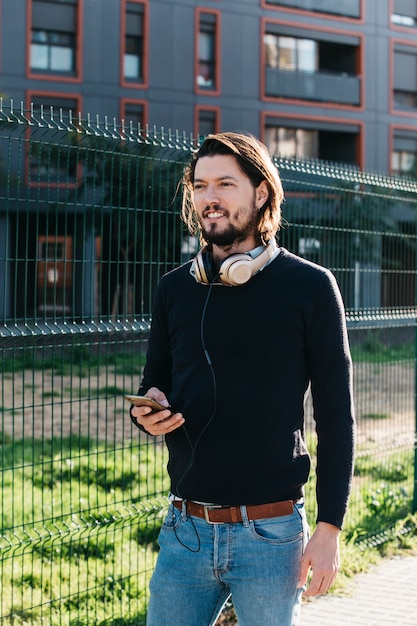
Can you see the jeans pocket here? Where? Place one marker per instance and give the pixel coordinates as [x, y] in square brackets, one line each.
[278, 530]
[172, 519]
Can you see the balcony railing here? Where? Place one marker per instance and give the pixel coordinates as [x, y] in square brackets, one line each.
[320, 86]
[349, 8]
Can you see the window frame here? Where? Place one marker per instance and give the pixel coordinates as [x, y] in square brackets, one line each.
[410, 29]
[215, 91]
[315, 122]
[212, 109]
[402, 129]
[391, 81]
[74, 77]
[143, 83]
[136, 102]
[305, 31]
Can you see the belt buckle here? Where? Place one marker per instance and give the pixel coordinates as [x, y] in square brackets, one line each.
[209, 507]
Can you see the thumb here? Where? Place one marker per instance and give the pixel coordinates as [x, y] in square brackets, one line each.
[158, 395]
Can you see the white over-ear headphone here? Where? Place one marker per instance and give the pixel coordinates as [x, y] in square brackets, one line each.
[235, 270]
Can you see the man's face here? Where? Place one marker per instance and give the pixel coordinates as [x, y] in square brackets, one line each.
[225, 201]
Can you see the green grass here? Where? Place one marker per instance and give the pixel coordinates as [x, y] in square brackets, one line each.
[79, 524]
[80, 360]
[374, 351]
[80, 518]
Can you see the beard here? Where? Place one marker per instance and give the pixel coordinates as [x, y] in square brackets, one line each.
[232, 234]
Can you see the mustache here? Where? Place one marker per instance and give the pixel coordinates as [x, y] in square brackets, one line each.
[216, 207]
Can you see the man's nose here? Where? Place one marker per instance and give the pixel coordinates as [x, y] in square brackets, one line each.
[211, 196]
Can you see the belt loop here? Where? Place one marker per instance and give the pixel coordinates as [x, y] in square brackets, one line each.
[184, 510]
[245, 520]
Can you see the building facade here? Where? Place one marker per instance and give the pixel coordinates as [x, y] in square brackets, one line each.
[313, 78]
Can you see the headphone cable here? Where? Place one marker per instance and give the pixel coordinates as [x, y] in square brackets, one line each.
[192, 445]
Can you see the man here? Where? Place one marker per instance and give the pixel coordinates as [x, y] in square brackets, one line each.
[238, 335]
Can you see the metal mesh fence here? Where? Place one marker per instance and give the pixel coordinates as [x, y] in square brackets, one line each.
[88, 223]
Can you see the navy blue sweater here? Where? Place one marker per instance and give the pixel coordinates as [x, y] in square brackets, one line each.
[237, 362]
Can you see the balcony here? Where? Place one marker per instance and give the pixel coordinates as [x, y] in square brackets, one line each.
[348, 8]
[319, 86]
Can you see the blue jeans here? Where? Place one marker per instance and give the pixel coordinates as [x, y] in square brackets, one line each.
[200, 565]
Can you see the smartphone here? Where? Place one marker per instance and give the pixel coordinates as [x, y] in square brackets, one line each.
[146, 401]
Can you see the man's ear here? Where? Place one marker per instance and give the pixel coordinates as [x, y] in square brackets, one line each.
[261, 194]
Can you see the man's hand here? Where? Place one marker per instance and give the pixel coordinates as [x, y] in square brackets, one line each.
[158, 422]
[322, 556]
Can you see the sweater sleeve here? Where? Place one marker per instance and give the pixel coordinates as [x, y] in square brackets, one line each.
[331, 388]
[157, 372]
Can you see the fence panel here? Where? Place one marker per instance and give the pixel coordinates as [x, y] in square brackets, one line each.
[88, 223]
[363, 227]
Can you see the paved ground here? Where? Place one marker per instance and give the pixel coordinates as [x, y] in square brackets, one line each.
[384, 596]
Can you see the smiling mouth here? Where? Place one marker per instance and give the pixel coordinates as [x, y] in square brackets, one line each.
[214, 213]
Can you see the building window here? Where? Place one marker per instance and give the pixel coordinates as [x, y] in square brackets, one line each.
[404, 154]
[296, 54]
[133, 66]
[328, 143]
[403, 162]
[207, 61]
[290, 53]
[54, 36]
[321, 67]
[405, 78]
[404, 13]
[405, 99]
[207, 122]
[133, 114]
[52, 157]
[292, 142]
[346, 8]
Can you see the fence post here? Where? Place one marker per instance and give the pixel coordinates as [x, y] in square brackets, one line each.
[5, 308]
[415, 463]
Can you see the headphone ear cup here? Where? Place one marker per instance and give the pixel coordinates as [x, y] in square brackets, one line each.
[236, 270]
[203, 267]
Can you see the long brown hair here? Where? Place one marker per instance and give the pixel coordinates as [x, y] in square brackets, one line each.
[255, 162]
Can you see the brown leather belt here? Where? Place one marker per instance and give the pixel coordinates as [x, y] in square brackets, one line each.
[216, 514]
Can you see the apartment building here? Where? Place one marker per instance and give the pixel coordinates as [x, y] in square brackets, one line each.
[312, 78]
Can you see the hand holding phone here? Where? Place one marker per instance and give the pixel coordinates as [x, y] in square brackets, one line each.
[146, 401]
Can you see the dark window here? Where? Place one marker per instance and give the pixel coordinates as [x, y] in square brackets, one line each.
[206, 76]
[134, 116]
[337, 57]
[207, 122]
[54, 36]
[133, 53]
